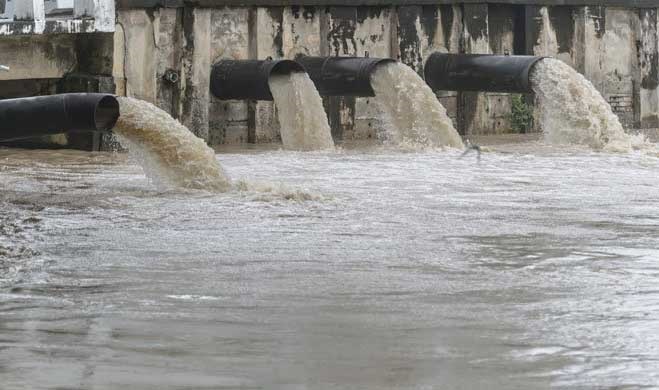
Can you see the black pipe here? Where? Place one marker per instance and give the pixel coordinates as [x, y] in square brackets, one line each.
[342, 76]
[248, 79]
[46, 115]
[479, 72]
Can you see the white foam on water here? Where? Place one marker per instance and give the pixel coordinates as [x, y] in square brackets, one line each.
[169, 153]
[302, 118]
[412, 115]
[572, 111]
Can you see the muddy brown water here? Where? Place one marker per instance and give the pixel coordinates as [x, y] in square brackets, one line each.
[364, 268]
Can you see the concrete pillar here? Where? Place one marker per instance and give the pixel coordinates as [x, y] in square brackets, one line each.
[168, 40]
[230, 37]
[473, 116]
[339, 24]
[648, 103]
[268, 42]
[196, 67]
[589, 45]
[140, 54]
[619, 62]
[373, 36]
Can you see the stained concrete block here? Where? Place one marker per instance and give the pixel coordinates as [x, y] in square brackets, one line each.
[373, 36]
[38, 57]
[195, 72]
[268, 31]
[301, 31]
[474, 109]
[230, 37]
[168, 25]
[139, 62]
[648, 69]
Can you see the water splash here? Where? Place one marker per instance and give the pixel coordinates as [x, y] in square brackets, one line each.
[303, 120]
[412, 114]
[168, 152]
[572, 111]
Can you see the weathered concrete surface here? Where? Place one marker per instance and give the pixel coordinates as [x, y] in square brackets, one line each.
[230, 37]
[31, 57]
[616, 48]
[373, 38]
[168, 31]
[139, 61]
[263, 125]
[474, 106]
[648, 99]
[195, 70]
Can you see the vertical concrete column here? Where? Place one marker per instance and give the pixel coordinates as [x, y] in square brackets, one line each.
[554, 31]
[31, 10]
[619, 62]
[168, 40]
[196, 70]
[339, 23]
[230, 39]
[648, 101]
[590, 29]
[473, 116]
[302, 31]
[268, 42]
[501, 24]
[423, 30]
[373, 37]
[139, 59]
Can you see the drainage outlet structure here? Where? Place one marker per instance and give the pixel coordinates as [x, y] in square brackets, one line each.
[480, 72]
[46, 115]
[248, 79]
[342, 76]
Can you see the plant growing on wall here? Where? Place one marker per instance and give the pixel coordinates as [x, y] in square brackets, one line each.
[521, 114]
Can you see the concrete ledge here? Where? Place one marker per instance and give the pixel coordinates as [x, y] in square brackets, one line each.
[128, 4]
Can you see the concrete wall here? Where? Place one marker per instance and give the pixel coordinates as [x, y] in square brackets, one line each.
[616, 46]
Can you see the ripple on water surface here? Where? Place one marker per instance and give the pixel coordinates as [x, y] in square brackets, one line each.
[536, 267]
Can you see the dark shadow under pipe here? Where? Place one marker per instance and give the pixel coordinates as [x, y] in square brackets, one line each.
[248, 79]
[342, 76]
[47, 115]
[479, 72]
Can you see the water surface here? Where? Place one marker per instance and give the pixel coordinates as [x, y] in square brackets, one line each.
[355, 269]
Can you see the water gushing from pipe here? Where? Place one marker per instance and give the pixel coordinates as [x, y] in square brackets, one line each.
[572, 111]
[302, 118]
[412, 114]
[168, 152]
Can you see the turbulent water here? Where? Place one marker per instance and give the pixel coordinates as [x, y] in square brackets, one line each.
[536, 268]
[302, 118]
[572, 111]
[169, 153]
[411, 112]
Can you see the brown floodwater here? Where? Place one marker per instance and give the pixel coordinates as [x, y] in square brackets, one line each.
[360, 268]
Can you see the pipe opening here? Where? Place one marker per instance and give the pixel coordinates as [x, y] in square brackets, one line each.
[285, 67]
[106, 113]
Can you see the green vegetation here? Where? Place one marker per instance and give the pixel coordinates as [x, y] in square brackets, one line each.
[521, 115]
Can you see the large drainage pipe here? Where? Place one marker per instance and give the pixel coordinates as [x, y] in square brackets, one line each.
[480, 72]
[46, 115]
[342, 76]
[248, 79]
